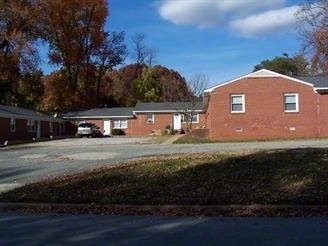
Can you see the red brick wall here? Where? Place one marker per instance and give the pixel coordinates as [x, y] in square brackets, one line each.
[139, 126]
[323, 113]
[21, 130]
[20, 133]
[4, 129]
[264, 117]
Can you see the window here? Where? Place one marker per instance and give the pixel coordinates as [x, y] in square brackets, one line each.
[291, 102]
[51, 127]
[150, 118]
[120, 124]
[237, 103]
[192, 116]
[30, 126]
[12, 125]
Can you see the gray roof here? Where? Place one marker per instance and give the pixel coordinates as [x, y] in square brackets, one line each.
[100, 113]
[317, 81]
[168, 106]
[23, 113]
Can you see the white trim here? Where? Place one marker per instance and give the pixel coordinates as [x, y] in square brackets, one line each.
[150, 121]
[260, 73]
[243, 103]
[193, 122]
[296, 103]
[121, 125]
[167, 111]
[97, 117]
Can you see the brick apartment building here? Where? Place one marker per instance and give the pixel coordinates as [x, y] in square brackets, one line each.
[267, 105]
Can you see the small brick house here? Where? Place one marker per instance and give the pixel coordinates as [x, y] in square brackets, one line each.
[105, 118]
[154, 117]
[25, 124]
[267, 105]
[143, 119]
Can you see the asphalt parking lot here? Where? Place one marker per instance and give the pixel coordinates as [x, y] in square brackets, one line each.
[27, 163]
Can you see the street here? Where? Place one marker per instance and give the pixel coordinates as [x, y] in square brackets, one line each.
[28, 230]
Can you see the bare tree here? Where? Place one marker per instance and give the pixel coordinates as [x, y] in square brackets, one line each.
[142, 54]
[197, 84]
[313, 28]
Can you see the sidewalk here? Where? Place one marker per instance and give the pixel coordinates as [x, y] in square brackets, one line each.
[173, 138]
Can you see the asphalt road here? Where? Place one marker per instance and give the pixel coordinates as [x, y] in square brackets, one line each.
[27, 163]
[28, 230]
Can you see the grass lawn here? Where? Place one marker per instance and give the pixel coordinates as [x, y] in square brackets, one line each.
[277, 177]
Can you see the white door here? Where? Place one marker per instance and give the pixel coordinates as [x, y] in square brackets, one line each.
[176, 121]
[106, 127]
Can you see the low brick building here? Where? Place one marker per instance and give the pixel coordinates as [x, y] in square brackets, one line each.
[267, 105]
[25, 124]
[143, 119]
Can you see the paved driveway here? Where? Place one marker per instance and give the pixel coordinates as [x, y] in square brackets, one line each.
[31, 162]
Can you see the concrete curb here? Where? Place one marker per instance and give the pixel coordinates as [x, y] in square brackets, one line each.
[256, 210]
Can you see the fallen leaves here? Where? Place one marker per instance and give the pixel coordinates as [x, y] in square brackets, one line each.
[281, 177]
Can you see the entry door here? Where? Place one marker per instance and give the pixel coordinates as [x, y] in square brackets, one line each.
[176, 121]
[107, 127]
[38, 128]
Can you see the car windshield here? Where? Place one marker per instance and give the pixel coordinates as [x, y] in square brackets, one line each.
[86, 125]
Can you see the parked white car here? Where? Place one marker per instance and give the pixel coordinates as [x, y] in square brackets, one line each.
[88, 130]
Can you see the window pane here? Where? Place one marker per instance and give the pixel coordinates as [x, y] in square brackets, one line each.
[124, 124]
[120, 124]
[290, 106]
[237, 99]
[116, 124]
[194, 118]
[236, 107]
[290, 99]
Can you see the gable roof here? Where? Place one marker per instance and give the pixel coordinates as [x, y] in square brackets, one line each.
[167, 107]
[317, 81]
[23, 113]
[99, 113]
[260, 74]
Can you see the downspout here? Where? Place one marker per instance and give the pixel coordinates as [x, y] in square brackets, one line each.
[318, 115]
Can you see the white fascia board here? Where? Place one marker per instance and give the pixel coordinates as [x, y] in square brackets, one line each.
[165, 111]
[321, 88]
[96, 117]
[263, 73]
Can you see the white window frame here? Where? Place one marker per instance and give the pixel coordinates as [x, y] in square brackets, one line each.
[30, 126]
[120, 124]
[242, 103]
[13, 125]
[192, 120]
[150, 118]
[296, 110]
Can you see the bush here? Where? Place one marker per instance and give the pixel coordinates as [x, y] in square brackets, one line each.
[118, 132]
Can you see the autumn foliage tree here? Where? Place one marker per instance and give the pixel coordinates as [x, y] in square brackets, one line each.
[20, 78]
[79, 45]
[124, 87]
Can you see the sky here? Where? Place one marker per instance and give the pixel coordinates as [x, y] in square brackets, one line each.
[221, 39]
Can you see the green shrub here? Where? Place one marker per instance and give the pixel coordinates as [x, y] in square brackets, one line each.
[118, 132]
